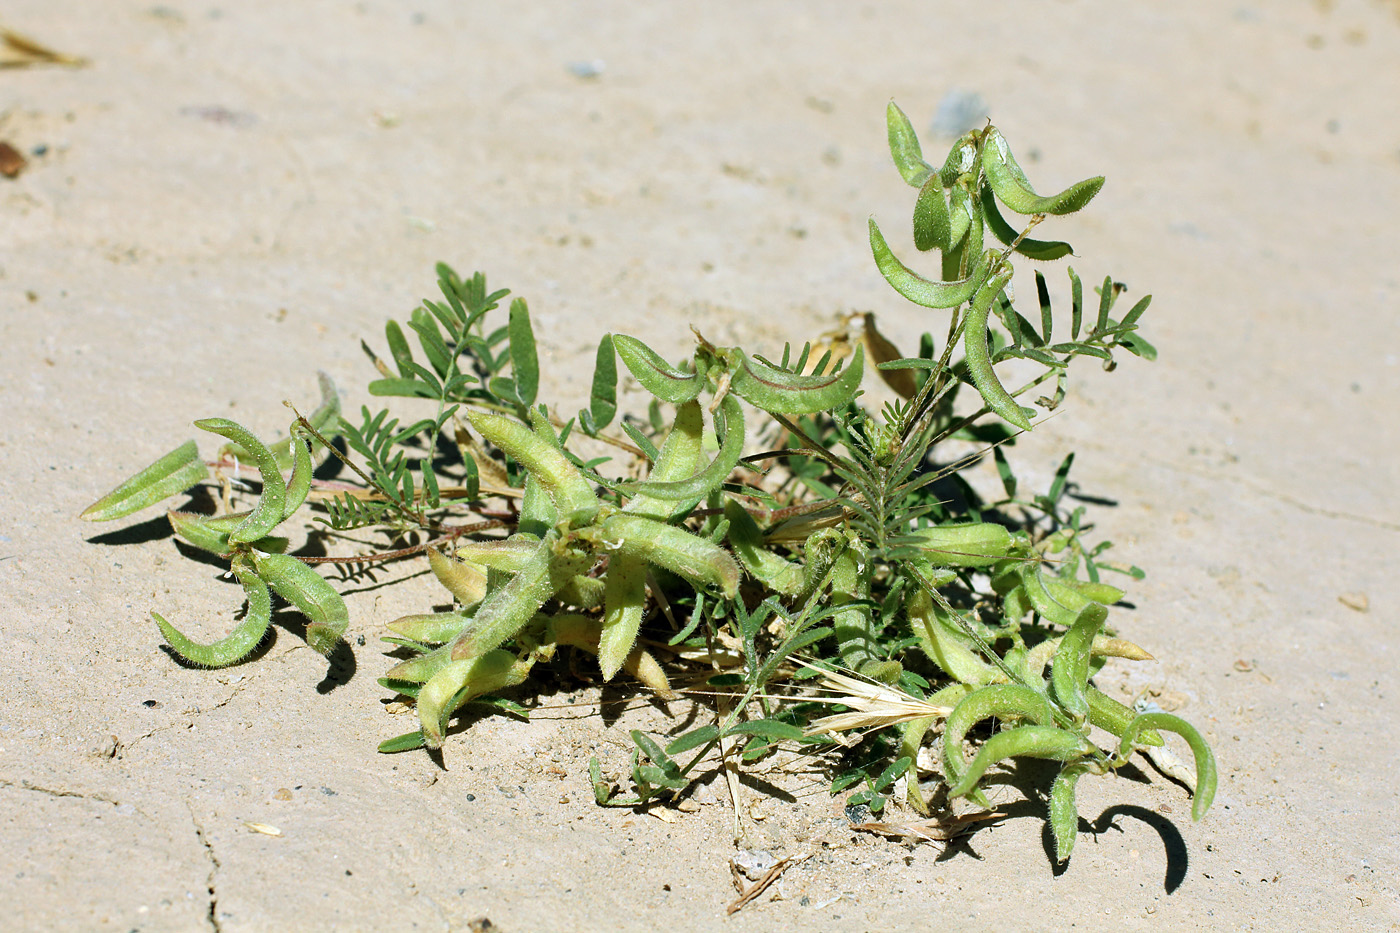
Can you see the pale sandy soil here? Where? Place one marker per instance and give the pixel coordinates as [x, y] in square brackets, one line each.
[233, 194]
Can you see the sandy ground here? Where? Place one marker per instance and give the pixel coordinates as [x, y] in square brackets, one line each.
[232, 195]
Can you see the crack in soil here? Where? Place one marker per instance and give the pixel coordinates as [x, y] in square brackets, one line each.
[213, 915]
[25, 784]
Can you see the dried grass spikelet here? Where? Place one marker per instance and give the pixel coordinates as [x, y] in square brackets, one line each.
[873, 705]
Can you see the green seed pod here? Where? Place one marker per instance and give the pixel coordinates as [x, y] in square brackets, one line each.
[572, 495]
[943, 643]
[678, 460]
[424, 667]
[299, 485]
[932, 225]
[1009, 183]
[241, 641]
[465, 580]
[1111, 716]
[702, 483]
[1023, 742]
[210, 533]
[306, 589]
[433, 628]
[537, 511]
[822, 549]
[1041, 601]
[746, 540]
[1097, 592]
[1069, 672]
[970, 544]
[624, 601]
[505, 611]
[699, 562]
[1004, 701]
[777, 391]
[656, 375]
[904, 147]
[1038, 250]
[461, 681]
[1206, 775]
[1064, 812]
[854, 627]
[171, 474]
[923, 292]
[583, 592]
[508, 555]
[268, 513]
[979, 362]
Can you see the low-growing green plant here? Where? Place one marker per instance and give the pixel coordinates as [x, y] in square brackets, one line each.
[845, 552]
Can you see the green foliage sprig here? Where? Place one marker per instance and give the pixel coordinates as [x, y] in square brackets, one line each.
[835, 549]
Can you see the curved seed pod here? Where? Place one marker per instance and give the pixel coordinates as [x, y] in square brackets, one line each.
[325, 420]
[1015, 604]
[960, 216]
[624, 600]
[299, 484]
[1003, 701]
[911, 739]
[1022, 742]
[509, 608]
[707, 480]
[461, 681]
[969, 544]
[1206, 776]
[1069, 672]
[1011, 186]
[904, 147]
[171, 474]
[1037, 250]
[923, 292]
[572, 495]
[508, 555]
[1064, 812]
[210, 532]
[746, 540]
[465, 580]
[932, 225]
[267, 514]
[979, 362]
[656, 375]
[698, 561]
[944, 645]
[584, 632]
[775, 390]
[433, 628]
[962, 158]
[425, 666]
[678, 460]
[241, 641]
[822, 549]
[1103, 647]
[1111, 716]
[1098, 592]
[306, 589]
[1033, 583]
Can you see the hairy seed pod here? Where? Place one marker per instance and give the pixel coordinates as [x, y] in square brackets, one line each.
[746, 540]
[678, 460]
[210, 533]
[979, 362]
[904, 147]
[424, 667]
[325, 420]
[969, 544]
[465, 580]
[943, 643]
[706, 480]
[268, 513]
[1022, 742]
[241, 641]
[1111, 716]
[585, 632]
[923, 292]
[306, 589]
[1009, 183]
[1069, 672]
[506, 610]
[699, 562]
[777, 391]
[1206, 775]
[433, 628]
[1064, 812]
[461, 681]
[171, 474]
[572, 495]
[1033, 583]
[1004, 701]
[299, 484]
[656, 375]
[624, 602]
